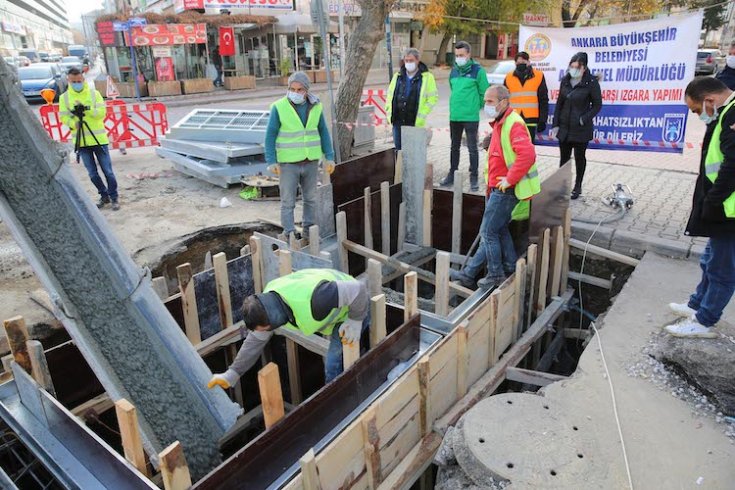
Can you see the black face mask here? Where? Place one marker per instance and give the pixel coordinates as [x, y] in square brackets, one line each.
[521, 68]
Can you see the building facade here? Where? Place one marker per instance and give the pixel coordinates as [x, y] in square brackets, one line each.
[42, 25]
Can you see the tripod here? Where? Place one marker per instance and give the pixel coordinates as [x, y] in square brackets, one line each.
[80, 129]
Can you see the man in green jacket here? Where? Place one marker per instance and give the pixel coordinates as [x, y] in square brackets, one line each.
[468, 83]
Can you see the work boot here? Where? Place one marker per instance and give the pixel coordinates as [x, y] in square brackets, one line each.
[474, 186]
[115, 205]
[448, 180]
[460, 277]
[691, 328]
[489, 282]
[101, 203]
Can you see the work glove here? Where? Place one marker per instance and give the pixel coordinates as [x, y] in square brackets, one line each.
[541, 127]
[328, 166]
[274, 169]
[350, 331]
[503, 184]
[554, 132]
[224, 380]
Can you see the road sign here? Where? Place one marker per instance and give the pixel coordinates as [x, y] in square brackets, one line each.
[119, 26]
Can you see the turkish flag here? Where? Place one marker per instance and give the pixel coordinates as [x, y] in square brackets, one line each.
[226, 41]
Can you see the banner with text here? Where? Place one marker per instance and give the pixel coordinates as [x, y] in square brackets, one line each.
[643, 68]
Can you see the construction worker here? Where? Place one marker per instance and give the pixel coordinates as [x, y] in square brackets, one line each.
[295, 140]
[529, 96]
[512, 181]
[82, 109]
[310, 301]
[410, 98]
[727, 75]
[713, 209]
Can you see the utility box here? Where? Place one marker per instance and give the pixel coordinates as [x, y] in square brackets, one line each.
[364, 134]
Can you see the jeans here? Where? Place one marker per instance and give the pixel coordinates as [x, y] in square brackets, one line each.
[496, 244]
[718, 280]
[333, 364]
[397, 136]
[455, 131]
[580, 159]
[218, 80]
[102, 153]
[292, 176]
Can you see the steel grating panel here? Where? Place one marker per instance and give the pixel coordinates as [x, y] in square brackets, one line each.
[212, 150]
[246, 126]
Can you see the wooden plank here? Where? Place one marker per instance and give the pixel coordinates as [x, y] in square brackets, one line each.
[271, 396]
[341, 238]
[426, 215]
[494, 306]
[41, 298]
[531, 266]
[401, 226]
[603, 252]
[314, 240]
[413, 464]
[425, 421]
[565, 257]
[17, 334]
[592, 280]
[375, 277]
[457, 211]
[160, 287]
[39, 366]
[536, 378]
[543, 273]
[410, 296]
[314, 343]
[371, 439]
[174, 469]
[127, 420]
[385, 216]
[256, 254]
[441, 295]
[189, 303]
[99, 404]
[378, 329]
[294, 372]
[398, 172]
[222, 279]
[207, 260]
[293, 243]
[309, 472]
[519, 298]
[462, 359]
[557, 261]
[367, 218]
[350, 354]
[285, 266]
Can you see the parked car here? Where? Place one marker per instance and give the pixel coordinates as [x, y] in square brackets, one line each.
[709, 62]
[68, 62]
[39, 76]
[22, 61]
[30, 54]
[55, 58]
[43, 56]
[496, 75]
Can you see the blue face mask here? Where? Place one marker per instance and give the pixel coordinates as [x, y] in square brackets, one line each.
[77, 86]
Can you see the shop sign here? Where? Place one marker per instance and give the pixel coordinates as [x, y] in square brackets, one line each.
[107, 35]
[161, 51]
[182, 5]
[169, 34]
[351, 8]
[120, 26]
[248, 4]
[14, 28]
[530, 19]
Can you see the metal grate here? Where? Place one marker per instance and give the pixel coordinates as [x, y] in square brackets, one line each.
[225, 119]
[21, 465]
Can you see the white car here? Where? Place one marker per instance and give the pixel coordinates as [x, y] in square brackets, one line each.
[496, 75]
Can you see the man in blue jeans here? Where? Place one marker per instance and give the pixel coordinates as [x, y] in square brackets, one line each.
[310, 301]
[713, 210]
[296, 139]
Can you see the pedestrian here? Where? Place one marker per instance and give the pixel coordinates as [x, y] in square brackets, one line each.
[412, 95]
[580, 99]
[309, 301]
[713, 209]
[82, 110]
[296, 139]
[512, 181]
[727, 75]
[217, 61]
[468, 83]
[529, 96]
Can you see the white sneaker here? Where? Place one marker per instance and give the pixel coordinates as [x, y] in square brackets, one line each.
[682, 310]
[690, 328]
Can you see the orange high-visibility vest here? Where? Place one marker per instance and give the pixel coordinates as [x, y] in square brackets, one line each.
[524, 97]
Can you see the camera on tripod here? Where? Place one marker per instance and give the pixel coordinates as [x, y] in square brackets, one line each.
[78, 110]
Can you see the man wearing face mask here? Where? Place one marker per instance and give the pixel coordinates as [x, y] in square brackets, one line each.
[713, 210]
[529, 96]
[82, 110]
[295, 140]
[512, 181]
[727, 76]
[412, 95]
[468, 83]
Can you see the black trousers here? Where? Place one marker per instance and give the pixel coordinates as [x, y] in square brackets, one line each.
[580, 158]
[455, 132]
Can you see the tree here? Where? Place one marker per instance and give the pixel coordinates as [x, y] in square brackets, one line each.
[369, 32]
[586, 12]
[714, 17]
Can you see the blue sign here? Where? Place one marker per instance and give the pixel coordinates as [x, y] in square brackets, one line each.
[137, 22]
[119, 26]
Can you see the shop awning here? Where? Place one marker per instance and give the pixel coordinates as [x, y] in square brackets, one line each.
[296, 22]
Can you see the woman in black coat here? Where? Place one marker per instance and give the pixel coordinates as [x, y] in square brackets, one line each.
[579, 102]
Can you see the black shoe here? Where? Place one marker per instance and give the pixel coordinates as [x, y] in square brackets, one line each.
[447, 181]
[576, 193]
[115, 205]
[101, 203]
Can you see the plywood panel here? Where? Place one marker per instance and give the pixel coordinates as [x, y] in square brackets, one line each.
[392, 454]
[443, 354]
[443, 390]
[348, 447]
[351, 177]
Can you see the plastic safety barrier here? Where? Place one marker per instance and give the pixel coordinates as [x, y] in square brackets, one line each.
[376, 98]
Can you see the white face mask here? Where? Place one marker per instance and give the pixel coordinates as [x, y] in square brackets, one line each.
[491, 111]
[575, 72]
[730, 60]
[295, 97]
[460, 60]
[706, 118]
[410, 67]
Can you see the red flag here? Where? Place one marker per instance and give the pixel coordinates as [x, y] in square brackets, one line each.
[226, 41]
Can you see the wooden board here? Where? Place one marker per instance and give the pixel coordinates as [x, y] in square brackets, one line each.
[473, 207]
[351, 177]
[550, 205]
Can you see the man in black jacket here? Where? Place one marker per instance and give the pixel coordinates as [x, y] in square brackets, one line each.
[727, 76]
[713, 209]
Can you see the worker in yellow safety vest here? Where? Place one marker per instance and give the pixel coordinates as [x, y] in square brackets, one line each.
[529, 96]
[296, 139]
[713, 210]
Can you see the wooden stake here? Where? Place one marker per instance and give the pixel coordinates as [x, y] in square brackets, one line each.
[410, 297]
[371, 442]
[314, 240]
[245, 250]
[558, 259]
[398, 172]
[271, 396]
[401, 225]
[385, 216]
[294, 372]
[189, 302]
[309, 472]
[441, 295]
[565, 258]
[377, 320]
[531, 266]
[425, 421]
[457, 211]
[160, 287]
[284, 262]
[375, 277]
[543, 273]
[426, 215]
[350, 354]
[519, 297]
[127, 419]
[207, 260]
[257, 258]
[39, 366]
[341, 237]
[174, 470]
[367, 218]
[222, 279]
[17, 335]
[293, 243]
[462, 359]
